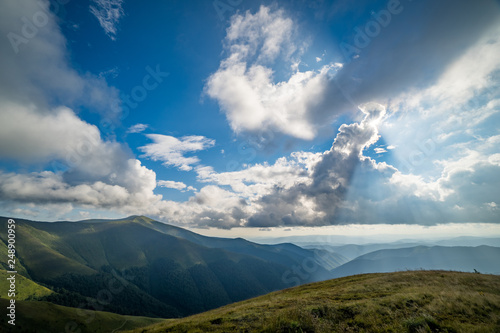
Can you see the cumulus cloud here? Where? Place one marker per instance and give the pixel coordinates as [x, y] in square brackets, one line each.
[32, 135]
[85, 169]
[259, 179]
[51, 188]
[318, 202]
[79, 154]
[171, 150]
[108, 13]
[35, 68]
[39, 91]
[305, 102]
[244, 84]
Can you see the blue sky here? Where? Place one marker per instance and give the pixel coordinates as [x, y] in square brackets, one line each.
[242, 115]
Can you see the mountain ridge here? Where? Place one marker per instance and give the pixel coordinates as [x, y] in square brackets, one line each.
[175, 271]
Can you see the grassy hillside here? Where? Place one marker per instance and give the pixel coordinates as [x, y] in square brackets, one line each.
[160, 270]
[44, 317]
[25, 288]
[417, 301]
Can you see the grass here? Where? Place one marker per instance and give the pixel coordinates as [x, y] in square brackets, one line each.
[44, 317]
[26, 288]
[416, 301]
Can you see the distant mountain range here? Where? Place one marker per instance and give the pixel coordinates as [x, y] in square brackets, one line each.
[484, 259]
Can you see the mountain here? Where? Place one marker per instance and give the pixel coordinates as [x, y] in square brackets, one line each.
[458, 258]
[138, 266]
[352, 251]
[284, 253]
[423, 301]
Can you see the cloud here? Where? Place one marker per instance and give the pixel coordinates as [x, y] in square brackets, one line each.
[318, 202]
[213, 206]
[304, 103]
[171, 150]
[137, 128]
[244, 85]
[175, 185]
[75, 148]
[257, 180]
[420, 51]
[109, 13]
[39, 128]
[35, 69]
[29, 134]
[134, 189]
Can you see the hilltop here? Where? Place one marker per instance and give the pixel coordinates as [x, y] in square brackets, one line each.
[413, 301]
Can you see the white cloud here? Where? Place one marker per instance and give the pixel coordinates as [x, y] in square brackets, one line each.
[260, 179]
[51, 188]
[380, 150]
[171, 150]
[268, 32]
[35, 70]
[137, 128]
[175, 185]
[81, 160]
[38, 128]
[30, 135]
[245, 87]
[305, 102]
[109, 13]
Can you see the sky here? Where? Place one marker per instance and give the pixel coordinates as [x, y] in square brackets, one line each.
[237, 117]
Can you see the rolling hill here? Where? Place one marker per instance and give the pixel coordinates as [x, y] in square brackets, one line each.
[457, 258]
[158, 270]
[418, 301]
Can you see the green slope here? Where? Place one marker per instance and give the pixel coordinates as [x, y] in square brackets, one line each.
[158, 274]
[418, 301]
[44, 317]
[25, 288]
